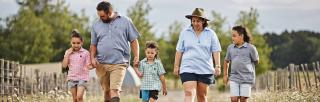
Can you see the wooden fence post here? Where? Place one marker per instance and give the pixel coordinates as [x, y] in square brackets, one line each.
[32, 82]
[268, 81]
[298, 77]
[304, 77]
[12, 78]
[8, 80]
[291, 76]
[315, 74]
[275, 81]
[2, 80]
[318, 68]
[308, 76]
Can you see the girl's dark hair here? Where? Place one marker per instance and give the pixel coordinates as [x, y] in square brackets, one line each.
[153, 45]
[104, 6]
[243, 31]
[205, 24]
[75, 34]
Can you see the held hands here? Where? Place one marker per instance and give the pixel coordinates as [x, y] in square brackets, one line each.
[136, 62]
[217, 70]
[176, 71]
[138, 73]
[94, 62]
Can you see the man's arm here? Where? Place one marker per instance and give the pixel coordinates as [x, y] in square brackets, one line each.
[135, 50]
[93, 52]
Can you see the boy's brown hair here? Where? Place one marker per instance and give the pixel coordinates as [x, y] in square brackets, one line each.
[153, 45]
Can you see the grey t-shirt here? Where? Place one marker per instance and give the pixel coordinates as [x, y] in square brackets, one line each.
[242, 63]
[113, 39]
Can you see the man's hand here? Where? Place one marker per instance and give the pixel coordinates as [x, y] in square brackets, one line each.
[94, 62]
[136, 62]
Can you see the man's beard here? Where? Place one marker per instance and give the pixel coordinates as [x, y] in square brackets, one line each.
[106, 21]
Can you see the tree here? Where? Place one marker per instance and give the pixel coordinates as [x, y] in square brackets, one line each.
[296, 47]
[250, 21]
[167, 45]
[29, 41]
[138, 13]
[40, 31]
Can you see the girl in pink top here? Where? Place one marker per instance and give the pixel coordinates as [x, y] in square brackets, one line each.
[77, 59]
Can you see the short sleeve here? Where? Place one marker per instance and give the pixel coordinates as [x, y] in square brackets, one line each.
[132, 31]
[215, 43]
[94, 40]
[160, 70]
[180, 44]
[228, 54]
[254, 54]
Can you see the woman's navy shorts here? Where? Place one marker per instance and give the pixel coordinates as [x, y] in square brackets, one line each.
[204, 78]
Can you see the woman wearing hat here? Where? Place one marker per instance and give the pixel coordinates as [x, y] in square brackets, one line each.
[197, 57]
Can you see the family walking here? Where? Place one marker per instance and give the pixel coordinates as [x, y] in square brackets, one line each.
[197, 59]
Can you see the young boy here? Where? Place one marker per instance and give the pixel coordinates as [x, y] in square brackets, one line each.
[243, 57]
[152, 73]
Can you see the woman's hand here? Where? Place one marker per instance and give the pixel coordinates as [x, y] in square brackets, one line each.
[176, 71]
[217, 71]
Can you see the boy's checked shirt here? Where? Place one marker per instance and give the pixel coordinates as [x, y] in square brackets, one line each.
[151, 74]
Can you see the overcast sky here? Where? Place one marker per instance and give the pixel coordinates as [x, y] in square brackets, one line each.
[275, 15]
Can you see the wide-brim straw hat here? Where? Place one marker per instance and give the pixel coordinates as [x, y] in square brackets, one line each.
[198, 12]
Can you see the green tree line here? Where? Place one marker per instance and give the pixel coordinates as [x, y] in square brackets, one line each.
[296, 47]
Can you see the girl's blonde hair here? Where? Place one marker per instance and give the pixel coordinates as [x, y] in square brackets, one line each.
[153, 45]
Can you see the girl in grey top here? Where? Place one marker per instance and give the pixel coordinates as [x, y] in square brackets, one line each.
[243, 57]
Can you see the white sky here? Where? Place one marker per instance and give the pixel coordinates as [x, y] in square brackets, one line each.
[275, 15]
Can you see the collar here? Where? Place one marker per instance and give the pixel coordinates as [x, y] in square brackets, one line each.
[118, 15]
[81, 50]
[145, 60]
[245, 44]
[191, 29]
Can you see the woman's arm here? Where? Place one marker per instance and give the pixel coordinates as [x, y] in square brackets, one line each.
[177, 61]
[217, 68]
